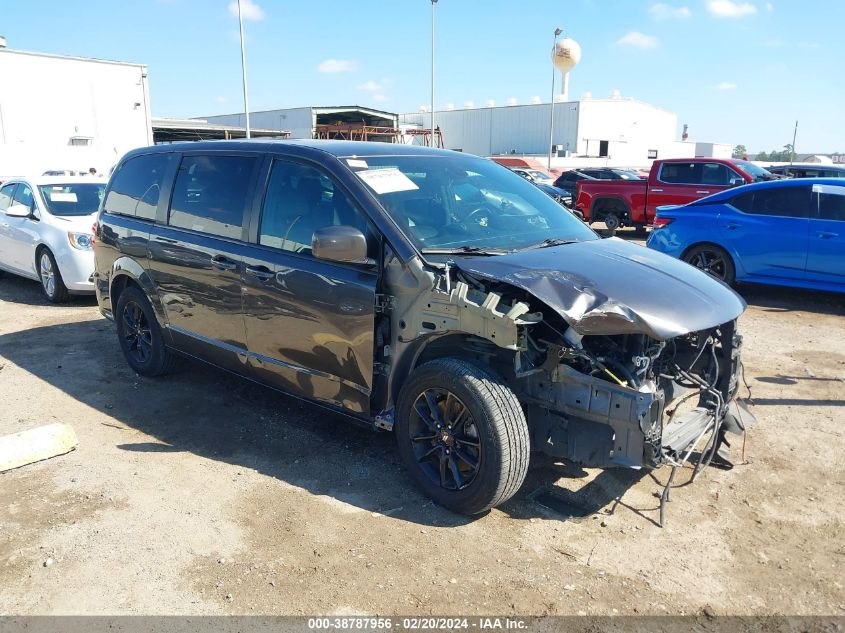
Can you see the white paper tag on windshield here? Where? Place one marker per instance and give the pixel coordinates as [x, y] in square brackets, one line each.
[357, 163]
[62, 196]
[386, 180]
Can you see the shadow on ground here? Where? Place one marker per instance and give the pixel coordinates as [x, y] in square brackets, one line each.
[223, 417]
[28, 292]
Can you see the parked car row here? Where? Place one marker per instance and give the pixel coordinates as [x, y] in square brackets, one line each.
[45, 231]
[620, 203]
[808, 170]
[785, 232]
[435, 294]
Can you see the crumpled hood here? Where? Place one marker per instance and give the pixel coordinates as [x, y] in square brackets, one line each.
[614, 287]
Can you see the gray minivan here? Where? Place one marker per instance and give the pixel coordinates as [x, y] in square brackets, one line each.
[425, 292]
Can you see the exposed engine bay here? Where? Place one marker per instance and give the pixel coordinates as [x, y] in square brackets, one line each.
[627, 398]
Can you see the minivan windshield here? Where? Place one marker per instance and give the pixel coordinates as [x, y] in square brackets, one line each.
[72, 198]
[465, 204]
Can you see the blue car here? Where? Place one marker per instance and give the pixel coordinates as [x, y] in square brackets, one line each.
[782, 232]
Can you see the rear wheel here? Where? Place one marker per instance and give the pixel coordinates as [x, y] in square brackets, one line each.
[612, 222]
[713, 260]
[462, 434]
[140, 335]
[51, 278]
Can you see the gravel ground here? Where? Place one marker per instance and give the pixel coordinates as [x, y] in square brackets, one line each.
[203, 494]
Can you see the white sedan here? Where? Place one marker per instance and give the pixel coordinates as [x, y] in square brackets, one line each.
[45, 231]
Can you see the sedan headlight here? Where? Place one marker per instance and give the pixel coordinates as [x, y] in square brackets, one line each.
[80, 241]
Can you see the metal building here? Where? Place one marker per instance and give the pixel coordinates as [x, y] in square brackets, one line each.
[353, 122]
[619, 131]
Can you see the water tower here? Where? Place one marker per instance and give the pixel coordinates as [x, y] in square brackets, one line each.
[566, 54]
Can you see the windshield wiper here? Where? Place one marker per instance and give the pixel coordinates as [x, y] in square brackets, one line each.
[549, 241]
[464, 249]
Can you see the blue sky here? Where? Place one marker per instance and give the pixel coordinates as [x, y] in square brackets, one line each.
[738, 71]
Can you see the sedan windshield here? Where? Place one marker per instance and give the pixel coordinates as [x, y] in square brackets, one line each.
[72, 198]
[464, 204]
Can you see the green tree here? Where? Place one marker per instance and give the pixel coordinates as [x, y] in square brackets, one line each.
[739, 151]
[763, 156]
[789, 151]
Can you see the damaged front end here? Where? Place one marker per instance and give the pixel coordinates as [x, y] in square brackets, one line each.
[620, 400]
[635, 363]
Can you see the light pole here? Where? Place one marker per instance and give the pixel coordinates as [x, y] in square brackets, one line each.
[243, 69]
[433, 2]
[552, 115]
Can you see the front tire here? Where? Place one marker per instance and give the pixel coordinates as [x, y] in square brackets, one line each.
[51, 278]
[462, 435]
[140, 335]
[713, 260]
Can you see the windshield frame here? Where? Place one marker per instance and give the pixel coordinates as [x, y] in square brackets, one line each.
[578, 230]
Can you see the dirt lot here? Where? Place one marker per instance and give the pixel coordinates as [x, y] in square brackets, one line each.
[202, 494]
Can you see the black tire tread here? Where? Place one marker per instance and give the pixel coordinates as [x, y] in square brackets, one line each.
[509, 420]
[164, 361]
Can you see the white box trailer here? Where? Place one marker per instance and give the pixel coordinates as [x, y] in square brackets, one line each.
[69, 113]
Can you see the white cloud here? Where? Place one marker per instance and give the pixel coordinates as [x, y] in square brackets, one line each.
[730, 9]
[371, 86]
[770, 7]
[337, 66]
[221, 99]
[726, 85]
[663, 11]
[249, 10]
[377, 96]
[638, 40]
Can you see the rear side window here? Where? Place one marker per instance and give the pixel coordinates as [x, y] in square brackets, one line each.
[831, 201]
[681, 173]
[786, 202]
[210, 194]
[136, 187]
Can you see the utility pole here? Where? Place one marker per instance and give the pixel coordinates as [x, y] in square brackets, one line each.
[552, 106]
[792, 152]
[243, 69]
[433, 2]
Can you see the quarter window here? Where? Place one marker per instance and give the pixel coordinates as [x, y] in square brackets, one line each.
[300, 200]
[787, 202]
[136, 186]
[210, 194]
[831, 201]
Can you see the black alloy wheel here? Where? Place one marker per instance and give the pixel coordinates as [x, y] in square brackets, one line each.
[462, 434]
[136, 333]
[712, 260]
[445, 439]
[140, 335]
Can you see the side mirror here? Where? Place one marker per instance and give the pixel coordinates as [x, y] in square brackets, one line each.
[736, 182]
[18, 211]
[340, 244]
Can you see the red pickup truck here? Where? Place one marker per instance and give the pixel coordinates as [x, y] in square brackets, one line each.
[620, 203]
